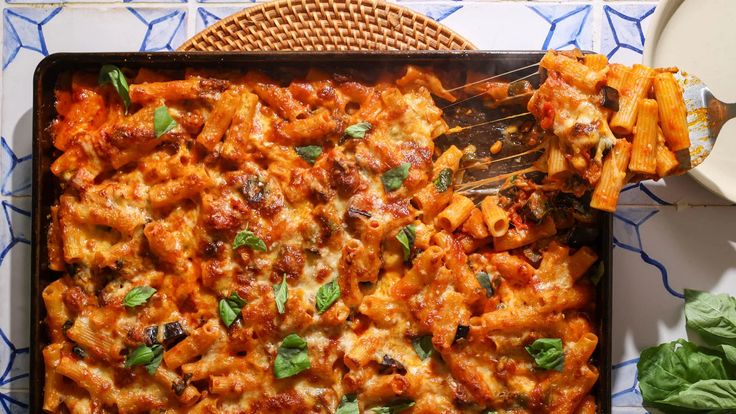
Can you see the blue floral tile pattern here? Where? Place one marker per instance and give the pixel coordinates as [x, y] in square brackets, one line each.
[567, 25]
[206, 17]
[15, 228]
[626, 392]
[16, 172]
[622, 36]
[437, 12]
[23, 29]
[9, 371]
[165, 29]
[627, 235]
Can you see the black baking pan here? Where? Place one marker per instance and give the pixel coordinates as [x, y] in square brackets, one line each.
[46, 188]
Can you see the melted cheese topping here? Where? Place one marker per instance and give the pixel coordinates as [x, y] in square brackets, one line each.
[163, 212]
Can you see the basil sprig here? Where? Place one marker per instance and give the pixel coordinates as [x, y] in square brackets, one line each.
[327, 295]
[309, 153]
[113, 75]
[358, 130]
[348, 405]
[394, 178]
[281, 295]
[406, 237]
[443, 180]
[292, 357]
[547, 353]
[230, 308]
[162, 121]
[138, 296]
[248, 238]
[150, 357]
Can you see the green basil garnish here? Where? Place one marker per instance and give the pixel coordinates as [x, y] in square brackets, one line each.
[248, 238]
[358, 130]
[423, 346]
[150, 357]
[113, 75]
[162, 121]
[309, 153]
[327, 295]
[281, 294]
[292, 357]
[394, 407]
[547, 353]
[230, 308]
[406, 237]
[138, 296]
[348, 405]
[485, 282]
[394, 178]
[443, 180]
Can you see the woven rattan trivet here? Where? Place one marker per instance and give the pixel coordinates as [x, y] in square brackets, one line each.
[326, 25]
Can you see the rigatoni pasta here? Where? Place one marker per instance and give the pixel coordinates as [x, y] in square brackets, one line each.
[232, 243]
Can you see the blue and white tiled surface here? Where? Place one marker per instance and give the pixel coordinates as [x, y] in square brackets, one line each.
[668, 235]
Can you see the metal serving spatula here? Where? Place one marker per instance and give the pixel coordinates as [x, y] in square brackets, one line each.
[706, 115]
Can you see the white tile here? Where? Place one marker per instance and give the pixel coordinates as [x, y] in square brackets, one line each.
[659, 252]
[207, 16]
[15, 402]
[624, 29]
[513, 26]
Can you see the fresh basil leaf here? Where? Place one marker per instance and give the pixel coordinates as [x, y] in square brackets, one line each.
[708, 395]
[393, 178]
[423, 346]
[443, 180]
[230, 308]
[158, 355]
[113, 75]
[547, 353]
[327, 295]
[729, 352]
[406, 237]
[675, 373]
[712, 316]
[358, 130]
[292, 357]
[162, 121]
[138, 296]
[281, 294]
[485, 282]
[248, 238]
[150, 357]
[309, 153]
[489, 412]
[394, 407]
[348, 405]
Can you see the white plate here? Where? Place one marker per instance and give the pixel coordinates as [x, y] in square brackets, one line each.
[699, 36]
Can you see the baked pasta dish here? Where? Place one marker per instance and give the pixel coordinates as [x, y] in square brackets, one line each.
[234, 242]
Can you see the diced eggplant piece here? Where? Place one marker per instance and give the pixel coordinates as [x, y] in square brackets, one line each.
[542, 75]
[173, 333]
[609, 98]
[391, 366]
[581, 235]
[461, 332]
[519, 87]
[356, 212]
[150, 335]
[79, 352]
